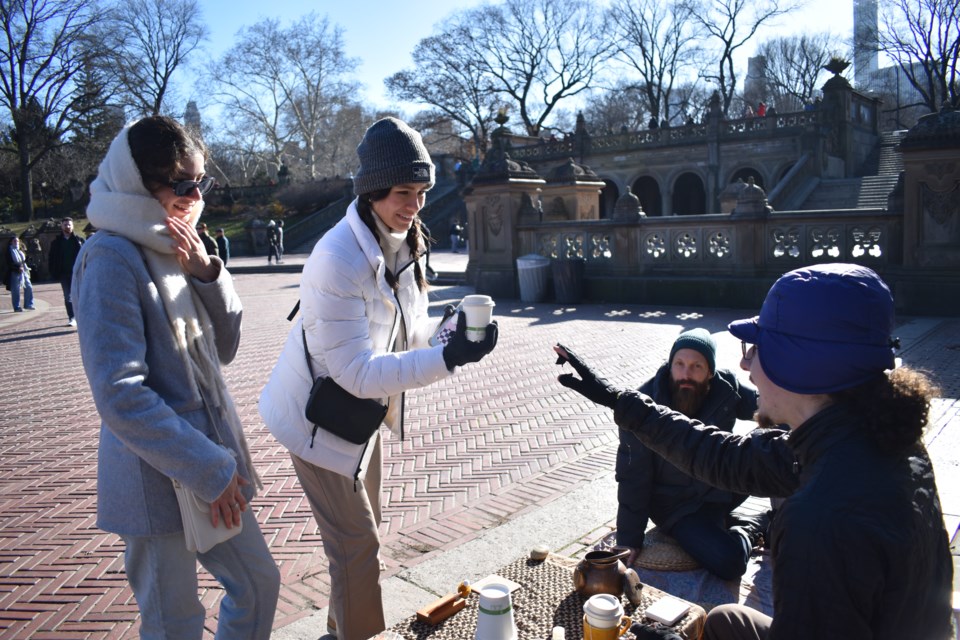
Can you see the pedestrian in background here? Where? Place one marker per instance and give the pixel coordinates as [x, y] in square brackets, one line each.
[364, 304]
[455, 231]
[279, 241]
[273, 243]
[63, 255]
[223, 246]
[158, 317]
[208, 243]
[18, 275]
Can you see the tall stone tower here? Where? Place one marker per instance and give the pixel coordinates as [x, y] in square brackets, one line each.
[865, 43]
[191, 118]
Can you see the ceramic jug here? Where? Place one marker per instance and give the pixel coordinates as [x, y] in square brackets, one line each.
[600, 572]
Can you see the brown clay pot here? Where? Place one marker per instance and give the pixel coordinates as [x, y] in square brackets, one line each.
[600, 572]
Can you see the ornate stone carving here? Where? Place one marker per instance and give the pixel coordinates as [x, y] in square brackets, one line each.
[685, 245]
[825, 242]
[655, 245]
[940, 206]
[570, 171]
[600, 246]
[866, 242]
[571, 245]
[752, 202]
[786, 242]
[628, 208]
[718, 244]
[492, 213]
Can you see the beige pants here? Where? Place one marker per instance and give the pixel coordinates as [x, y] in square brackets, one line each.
[348, 518]
[736, 622]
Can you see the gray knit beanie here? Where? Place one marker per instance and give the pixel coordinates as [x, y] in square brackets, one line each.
[391, 153]
[699, 340]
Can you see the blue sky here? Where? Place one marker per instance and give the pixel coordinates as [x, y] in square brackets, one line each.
[382, 33]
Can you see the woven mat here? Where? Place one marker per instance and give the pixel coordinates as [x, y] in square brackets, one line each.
[660, 552]
[545, 600]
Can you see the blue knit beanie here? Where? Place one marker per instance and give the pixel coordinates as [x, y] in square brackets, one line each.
[699, 340]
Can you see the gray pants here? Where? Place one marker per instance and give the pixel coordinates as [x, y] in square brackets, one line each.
[348, 518]
[736, 622]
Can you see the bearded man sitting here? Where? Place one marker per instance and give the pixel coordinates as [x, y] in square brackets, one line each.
[697, 515]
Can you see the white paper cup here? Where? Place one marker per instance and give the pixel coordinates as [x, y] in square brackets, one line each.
[495, 614]
[479, 312]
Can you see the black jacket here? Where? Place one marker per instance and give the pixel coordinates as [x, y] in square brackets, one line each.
[649, 486]
[63, 254]
[859, 546]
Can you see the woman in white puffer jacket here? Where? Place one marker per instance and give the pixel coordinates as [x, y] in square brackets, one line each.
[363, 298]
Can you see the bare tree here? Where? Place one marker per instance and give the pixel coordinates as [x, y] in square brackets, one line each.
[290, 83]
[658, 41]
[42, 53]
[539, 52]
[316, 80]
[148, 41]
[448, 78]
[252, 90]
[794, 65]
[923, 38]
[622, 107]
[732, 24]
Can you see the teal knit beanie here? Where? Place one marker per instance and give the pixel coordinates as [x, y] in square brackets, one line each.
[700, 341]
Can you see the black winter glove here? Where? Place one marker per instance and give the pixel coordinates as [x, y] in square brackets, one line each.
[654, 631]
[589, 385]
[460, 351]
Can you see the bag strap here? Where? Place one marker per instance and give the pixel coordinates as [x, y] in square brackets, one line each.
[306, 352]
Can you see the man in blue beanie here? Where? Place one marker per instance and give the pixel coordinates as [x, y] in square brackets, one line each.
[859, 546]
[697, 515]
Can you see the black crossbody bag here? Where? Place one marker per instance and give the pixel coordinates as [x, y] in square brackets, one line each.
[332, 408]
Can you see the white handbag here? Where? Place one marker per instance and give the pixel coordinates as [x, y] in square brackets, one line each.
[199, 532]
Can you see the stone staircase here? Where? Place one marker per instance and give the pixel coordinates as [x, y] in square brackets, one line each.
[877, 178]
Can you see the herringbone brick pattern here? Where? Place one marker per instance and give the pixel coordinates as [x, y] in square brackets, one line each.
[493, 442]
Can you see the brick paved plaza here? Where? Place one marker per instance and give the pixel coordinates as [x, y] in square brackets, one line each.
[495, 443]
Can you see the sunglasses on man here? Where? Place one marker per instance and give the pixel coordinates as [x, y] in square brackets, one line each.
[184, 187]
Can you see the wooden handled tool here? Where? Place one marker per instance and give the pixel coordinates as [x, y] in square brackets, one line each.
[441, 609]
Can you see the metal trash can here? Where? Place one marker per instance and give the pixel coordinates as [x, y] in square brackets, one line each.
[568, 279]
[533, 271]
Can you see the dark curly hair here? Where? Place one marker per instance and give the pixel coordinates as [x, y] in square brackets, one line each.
[159, 145]
[416, 239]
[895, 407]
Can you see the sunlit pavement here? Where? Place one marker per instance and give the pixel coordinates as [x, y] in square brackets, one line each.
[499, 448]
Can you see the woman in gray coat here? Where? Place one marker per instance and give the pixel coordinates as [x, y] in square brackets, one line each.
[157, 316]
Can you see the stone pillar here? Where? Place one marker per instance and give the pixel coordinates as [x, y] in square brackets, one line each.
[494, 210]
[931, 193]
[837, 96]
[572, 193]
[714, 121]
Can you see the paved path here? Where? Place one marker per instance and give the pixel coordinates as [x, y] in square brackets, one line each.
[500, 456]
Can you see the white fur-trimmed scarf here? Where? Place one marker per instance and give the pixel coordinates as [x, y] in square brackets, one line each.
[121, 204]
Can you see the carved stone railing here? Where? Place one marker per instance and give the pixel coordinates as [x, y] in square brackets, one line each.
[788, 124]
[714, 244]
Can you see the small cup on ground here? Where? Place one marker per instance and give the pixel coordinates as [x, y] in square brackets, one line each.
[603, 618]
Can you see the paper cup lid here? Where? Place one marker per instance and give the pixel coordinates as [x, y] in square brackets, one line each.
[602, 605]
[477, 300]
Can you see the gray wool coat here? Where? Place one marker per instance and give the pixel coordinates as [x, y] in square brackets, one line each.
[152, 427]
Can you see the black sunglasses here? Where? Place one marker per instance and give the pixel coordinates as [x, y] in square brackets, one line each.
[184, 187]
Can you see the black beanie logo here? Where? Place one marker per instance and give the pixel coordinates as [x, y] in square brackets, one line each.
[421, 174]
